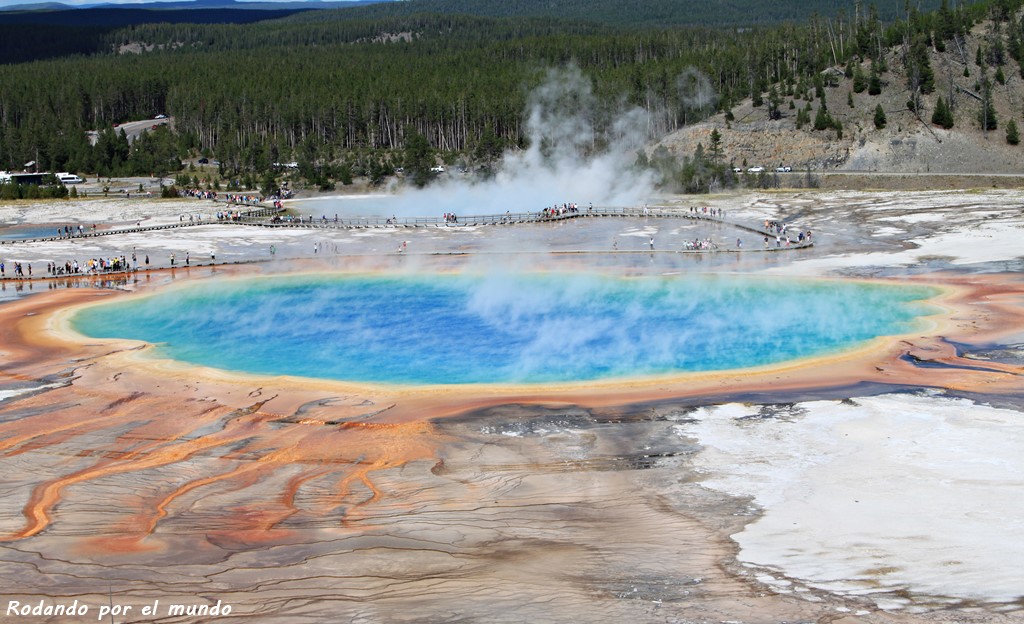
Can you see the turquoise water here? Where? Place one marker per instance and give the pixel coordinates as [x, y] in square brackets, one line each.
[517, 328]
[25, 232]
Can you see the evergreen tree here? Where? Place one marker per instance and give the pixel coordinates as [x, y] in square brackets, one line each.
[860, 81]
[942, 115]
[819, 87]
[880, 119]
[1012, 136]
[822, 120]
[920, 76]
[773, 103]
[947, 23]
[419, 157]
[802, 118]
[716, 146]
[875, 82]
[489, 148]
[987, 114]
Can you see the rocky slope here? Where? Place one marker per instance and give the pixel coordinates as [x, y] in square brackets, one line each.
[908, 144]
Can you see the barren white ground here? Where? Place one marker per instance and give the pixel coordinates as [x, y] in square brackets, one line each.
[895, 492]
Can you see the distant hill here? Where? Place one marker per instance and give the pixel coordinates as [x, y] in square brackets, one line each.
[235, 4]
[38, 6]
[297, 5]
[648, 13]
[31, 35]
[117, 17]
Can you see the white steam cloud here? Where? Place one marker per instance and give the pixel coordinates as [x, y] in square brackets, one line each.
[578, 152]
[695, 90]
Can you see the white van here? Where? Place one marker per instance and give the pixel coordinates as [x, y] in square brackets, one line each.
[69, 178]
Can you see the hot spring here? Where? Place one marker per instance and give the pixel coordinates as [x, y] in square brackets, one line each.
[515, 328]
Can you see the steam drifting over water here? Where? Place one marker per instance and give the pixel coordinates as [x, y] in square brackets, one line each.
[574, 155]
[511, 328]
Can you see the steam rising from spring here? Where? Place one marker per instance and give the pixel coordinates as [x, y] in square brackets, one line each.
[695, 90]
[525, 327]
[578, 152]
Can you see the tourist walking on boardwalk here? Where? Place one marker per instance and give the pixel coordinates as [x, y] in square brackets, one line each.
[172, 259]
[652, 242]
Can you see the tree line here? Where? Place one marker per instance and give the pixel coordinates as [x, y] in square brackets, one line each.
[345, 96]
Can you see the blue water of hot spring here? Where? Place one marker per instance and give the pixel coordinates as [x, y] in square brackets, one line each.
[516, 328]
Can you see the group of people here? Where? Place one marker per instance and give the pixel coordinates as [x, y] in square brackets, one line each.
[249, 200]
[782, 237]
[72, 231]
[229, 215]
[714, 212]
[230, 198]
[785, 240]
[197, 193]
[557, 211]
[296, 219]
[705, 244]
[92, 266]
[19, 269]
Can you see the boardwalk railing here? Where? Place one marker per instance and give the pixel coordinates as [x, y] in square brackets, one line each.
[510, 218]
[258, 218]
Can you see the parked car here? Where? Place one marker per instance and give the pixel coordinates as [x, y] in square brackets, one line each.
[437, 169]
[203, 161]
[160, 116]
[737, 169]
[69, 178]
[784, 169]
[755, 170]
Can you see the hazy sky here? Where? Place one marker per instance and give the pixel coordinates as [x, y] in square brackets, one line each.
[6, 3]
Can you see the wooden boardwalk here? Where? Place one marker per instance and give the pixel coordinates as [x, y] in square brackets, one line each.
[263, 217]
[517, 219]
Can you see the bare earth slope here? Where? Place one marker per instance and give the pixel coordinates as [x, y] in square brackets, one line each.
[907, 144]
